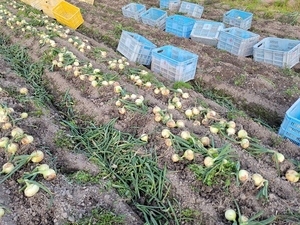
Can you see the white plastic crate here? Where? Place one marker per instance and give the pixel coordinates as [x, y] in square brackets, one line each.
[174, 63]
[133, 10]
[191, 9]
[181, 26]
[135, 47]
[155, 18]
[290, 127]
[238, 18]
[172, 5]
[237, 41]
[207, 32]
[277, 51]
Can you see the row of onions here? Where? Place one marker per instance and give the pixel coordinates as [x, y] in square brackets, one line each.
[14, 144]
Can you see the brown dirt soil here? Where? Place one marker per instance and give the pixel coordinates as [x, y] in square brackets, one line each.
[263, 89]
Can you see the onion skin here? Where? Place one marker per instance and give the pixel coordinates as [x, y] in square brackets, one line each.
[292, 176]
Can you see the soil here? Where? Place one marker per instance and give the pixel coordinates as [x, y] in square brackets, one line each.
[258, 89]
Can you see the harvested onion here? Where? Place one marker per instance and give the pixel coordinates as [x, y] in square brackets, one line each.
[7, 167]
[292, 175]
[37, 156]
[189, 154]
[31, 190]
[278, 157]
[208, 161]
[49, 174]
[243, 175]
[230, 215]
[175, 158]
[258, 179]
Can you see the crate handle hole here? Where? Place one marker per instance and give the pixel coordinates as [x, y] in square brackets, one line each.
[160, 51]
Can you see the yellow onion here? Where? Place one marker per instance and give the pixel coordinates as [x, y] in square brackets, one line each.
[231, 124]
[168, 142]
[4, 142]
[175, 157]
[31, 190]
[242, 134]
[12, 148]
[189, 154]
[243, 219]
[243, 175]
[211, 114]
[122, 110]
[118, 103]
[195, 111]
[7, 167]
[165, 133]
[156, 109]
[205, 141]
[185, 135]
[185, 95]
[144, 137]
[258, 179]
[2, 212]
[157, 117]
[6, 126]
[213, 129]
[230, 131]
[180, 123]
[24, 115]
[245, 143]
[205, 121]
[23, 91]
[175, 99]
[171, 106]
[165, 91]
[49, 174]
[171, 123]
[292, 175]
[27, 140]
[278, 157]
[230, 215]
[37, 156]
[178, 105]
[17, 132]
[208, 161]
[188, 113]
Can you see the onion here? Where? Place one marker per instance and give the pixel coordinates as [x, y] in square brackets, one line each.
[156, 109]
[94, 83]
[185, 135]
[292, 175]
[2, 212]
[165, 133]
[196, 123]
[258, 179]
[12, 148]
[156, 91]
[175, 99]
[165, 91]
[205, 141]
[231, 124]
[118, 103]
[242, 134]
[180, 123]
[6, 126]
[189, 154]
[17, 132]
[117, 89]
[208, 161]
[243, 175]
[7, 167]
[49, 174]
[195, 111]
[175, 157]
[168, 142]
[4, 142]
[158, 117]
[211, 114]
[148, 84]
[205, 121]
[188, 113]
[243, 219]
[185, 95]
[178, 105]
[37, 156]
[23, 91]
[213, 129]
[139, 102]
[144, 137]
[24, 115]
[171, 123]
[278, 157]
[171, 106]
[230, 131]
[31, 190]
[27, 140]
[230, 215]
[122, 110]
[133, 96]
[245, 143]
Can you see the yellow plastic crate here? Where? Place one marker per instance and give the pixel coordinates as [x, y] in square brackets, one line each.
[48, 6]
[68, 14]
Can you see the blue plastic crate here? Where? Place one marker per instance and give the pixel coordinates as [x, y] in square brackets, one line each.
[179, 25]
[207, 32]
[155, 18]
[191, 9]
[133, 10]
[135, 47]
[174, 63]
[290, 127]
[238, 18]
[237, 41]
[277, 51]
[172, 5]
